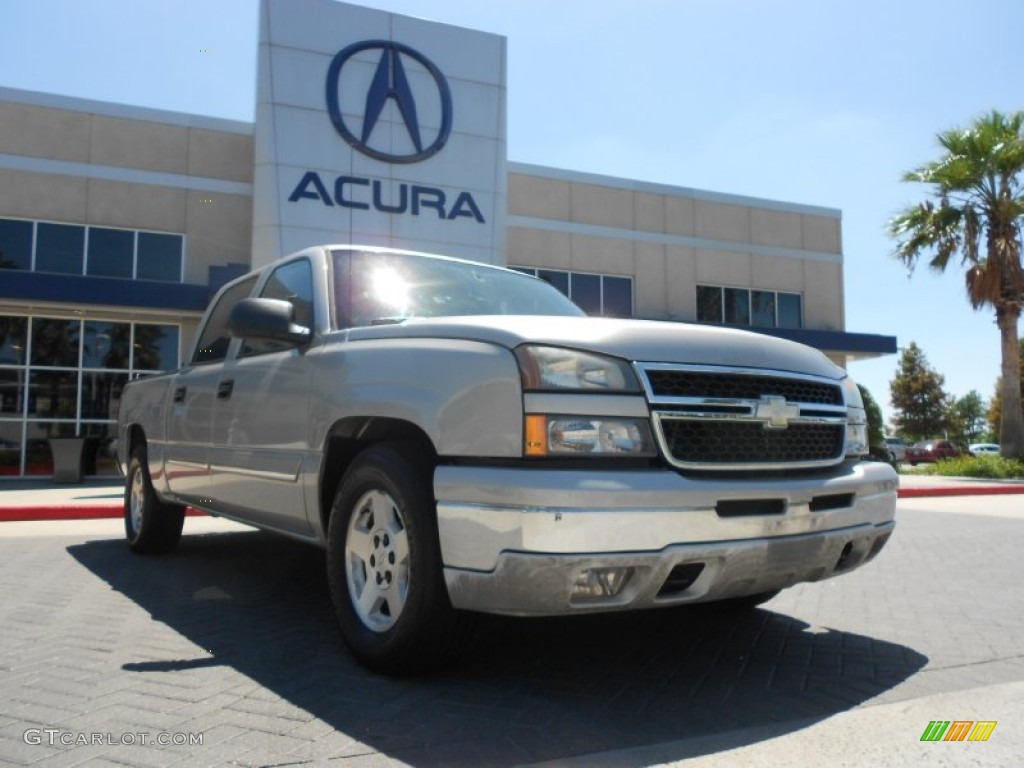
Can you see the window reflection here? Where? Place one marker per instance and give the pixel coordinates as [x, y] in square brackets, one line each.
[47, 394]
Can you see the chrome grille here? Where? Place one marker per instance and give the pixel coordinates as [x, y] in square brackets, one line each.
[719, 418]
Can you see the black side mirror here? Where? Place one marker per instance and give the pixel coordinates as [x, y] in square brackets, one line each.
[266, 319]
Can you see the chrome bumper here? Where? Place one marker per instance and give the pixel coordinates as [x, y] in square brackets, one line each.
[515, 541]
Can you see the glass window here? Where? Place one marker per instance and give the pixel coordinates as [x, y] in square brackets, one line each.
[12, 391]
[106, 345]
[790, 310]
[101, 394]
[585, 291]
[15, 244]
[762, 309]
[10, 448]
[618, 297]
[556, 278]
[53, 394]
[737, 306]
[55, 342]
[12, 340]
[60, 248]
[38, 459]
[709, 304]
[159, 257]
[293, 283]
[155, 347]
[111, 252]
[213, 344]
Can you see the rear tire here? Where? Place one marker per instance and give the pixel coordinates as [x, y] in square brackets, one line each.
[150, 525]
[384, 567]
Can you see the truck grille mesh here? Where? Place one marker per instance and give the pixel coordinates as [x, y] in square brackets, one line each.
[739, 386]
[737, 442]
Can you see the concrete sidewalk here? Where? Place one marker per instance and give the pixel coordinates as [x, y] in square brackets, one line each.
[46, 500]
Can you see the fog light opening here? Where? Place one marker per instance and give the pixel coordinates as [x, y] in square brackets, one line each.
[600, 583]
[844, 557]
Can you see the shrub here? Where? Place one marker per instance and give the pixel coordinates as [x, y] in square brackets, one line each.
[977, 466]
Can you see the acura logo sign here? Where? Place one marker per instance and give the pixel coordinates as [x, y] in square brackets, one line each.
[390, 84]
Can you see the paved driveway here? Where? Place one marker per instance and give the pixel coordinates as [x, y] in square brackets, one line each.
[233, 638]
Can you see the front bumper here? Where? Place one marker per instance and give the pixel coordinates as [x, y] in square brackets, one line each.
[515, 540]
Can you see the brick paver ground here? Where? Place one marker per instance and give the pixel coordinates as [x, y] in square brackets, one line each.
[233, 637]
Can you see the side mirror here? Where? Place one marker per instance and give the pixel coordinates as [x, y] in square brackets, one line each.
[266, 319]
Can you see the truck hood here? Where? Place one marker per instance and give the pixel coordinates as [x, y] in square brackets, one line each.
[634, 340]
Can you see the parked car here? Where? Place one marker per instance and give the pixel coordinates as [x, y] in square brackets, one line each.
[983, 449]
[897, 448]
[931, 450]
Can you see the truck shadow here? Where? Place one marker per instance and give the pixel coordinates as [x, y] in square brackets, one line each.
[530, 690]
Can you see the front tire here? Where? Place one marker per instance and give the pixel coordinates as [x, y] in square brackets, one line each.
[150, 525]
[384, 567]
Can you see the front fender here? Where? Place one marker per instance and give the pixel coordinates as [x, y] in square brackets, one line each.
[464, 395]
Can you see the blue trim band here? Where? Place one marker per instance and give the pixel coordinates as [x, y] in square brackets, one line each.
[111, 291]
[834, 341]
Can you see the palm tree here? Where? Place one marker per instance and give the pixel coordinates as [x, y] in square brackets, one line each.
[974, 210]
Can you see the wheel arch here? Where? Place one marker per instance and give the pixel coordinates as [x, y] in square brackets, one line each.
[349, 437]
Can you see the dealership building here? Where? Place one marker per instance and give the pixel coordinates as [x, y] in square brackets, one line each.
[118, 223]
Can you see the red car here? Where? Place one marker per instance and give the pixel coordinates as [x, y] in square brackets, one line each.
[931, 450]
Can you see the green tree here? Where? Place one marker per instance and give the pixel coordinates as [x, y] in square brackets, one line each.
[974, 209]
[917, 396]
[968, 418]
[876, 435]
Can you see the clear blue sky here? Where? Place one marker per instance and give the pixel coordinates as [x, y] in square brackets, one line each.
[810, 101]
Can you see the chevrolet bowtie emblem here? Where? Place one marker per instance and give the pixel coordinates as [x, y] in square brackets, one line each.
[775, 412]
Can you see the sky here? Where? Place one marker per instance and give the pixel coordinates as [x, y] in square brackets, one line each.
[805, 101]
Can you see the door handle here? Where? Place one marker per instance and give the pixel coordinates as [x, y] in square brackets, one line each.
[224, 389]
[179, 394]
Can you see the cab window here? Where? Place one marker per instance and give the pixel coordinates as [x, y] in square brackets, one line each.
[214, 341]
[291, 282]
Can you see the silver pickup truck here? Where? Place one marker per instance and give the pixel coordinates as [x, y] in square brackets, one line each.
[462, 438]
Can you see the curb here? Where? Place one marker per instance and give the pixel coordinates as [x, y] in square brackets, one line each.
[965, 490]
[71, 512]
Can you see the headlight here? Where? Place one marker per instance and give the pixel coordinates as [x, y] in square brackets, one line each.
[555, 368]
[856, 420]
[574, 435]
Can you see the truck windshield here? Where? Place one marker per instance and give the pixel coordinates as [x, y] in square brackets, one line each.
[372, 288]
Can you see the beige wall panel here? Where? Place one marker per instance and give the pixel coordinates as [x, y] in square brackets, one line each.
[218, 232]
[823, 296]
[775, 228]
[681, 279]
[777, 274]
[649, 212]
[538, 248]
[533, 196]
[219, 155]
[40, 132]
[680, 213]
[650, 289]
[723, 268]
[606, 255]
[603, 206]
[136, 206]
[722, 221]
[139, 145]
[42, 196]
[821, 233]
